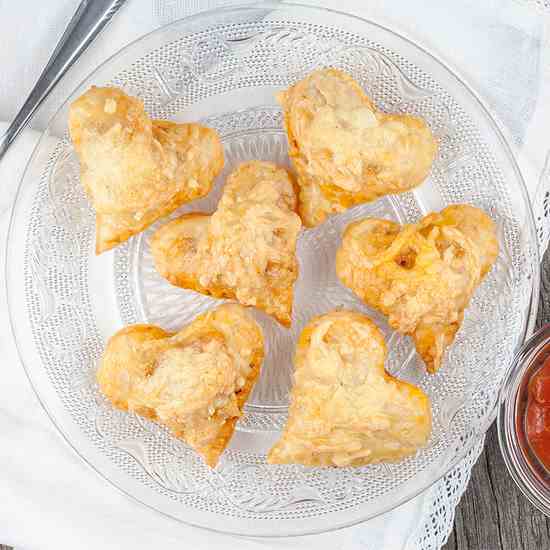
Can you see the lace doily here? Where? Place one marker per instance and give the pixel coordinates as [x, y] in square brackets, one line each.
[440, 506]
[541, 207]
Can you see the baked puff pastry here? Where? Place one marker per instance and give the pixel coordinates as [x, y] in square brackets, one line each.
[136, 170]
[195, 382]
[422, 276]
[243, 251]
[347, 152]
[345, 409]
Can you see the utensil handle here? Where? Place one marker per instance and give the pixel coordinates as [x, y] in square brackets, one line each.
[87, 22]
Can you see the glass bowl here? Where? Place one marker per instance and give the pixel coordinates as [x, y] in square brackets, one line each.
[224, 68]
[528, 472]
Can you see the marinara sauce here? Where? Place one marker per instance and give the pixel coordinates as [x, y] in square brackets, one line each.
[537, 420]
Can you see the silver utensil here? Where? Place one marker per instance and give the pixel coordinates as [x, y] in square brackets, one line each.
[88, 21]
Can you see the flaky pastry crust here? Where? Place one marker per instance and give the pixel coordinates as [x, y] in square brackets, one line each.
[136, 170]
[245, 250]
[422, 276]
[346, 410]
[344, 150]
[195, 381]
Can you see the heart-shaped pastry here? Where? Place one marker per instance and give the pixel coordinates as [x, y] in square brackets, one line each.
[246, 250]
[347, 152]
[345, 409]
[136, 170]
[422, 276]
[195, 382]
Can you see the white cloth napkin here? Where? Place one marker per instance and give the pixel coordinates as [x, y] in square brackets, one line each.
[48, 498]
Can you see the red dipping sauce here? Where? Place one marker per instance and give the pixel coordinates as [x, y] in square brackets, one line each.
[524, 419]
[537, 418]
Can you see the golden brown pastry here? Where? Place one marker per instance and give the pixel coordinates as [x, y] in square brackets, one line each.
[422, 276]
[344, 150]
[136, 170]
[346, 410]
[245, 250]
[196, 381]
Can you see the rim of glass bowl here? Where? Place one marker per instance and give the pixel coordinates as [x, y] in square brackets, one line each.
[498, 129]
[518, 466]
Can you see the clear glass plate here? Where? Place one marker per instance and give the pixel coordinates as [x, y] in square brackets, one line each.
[224, 68]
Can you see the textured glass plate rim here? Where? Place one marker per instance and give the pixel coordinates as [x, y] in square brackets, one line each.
[513, 458]
[499, 132]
